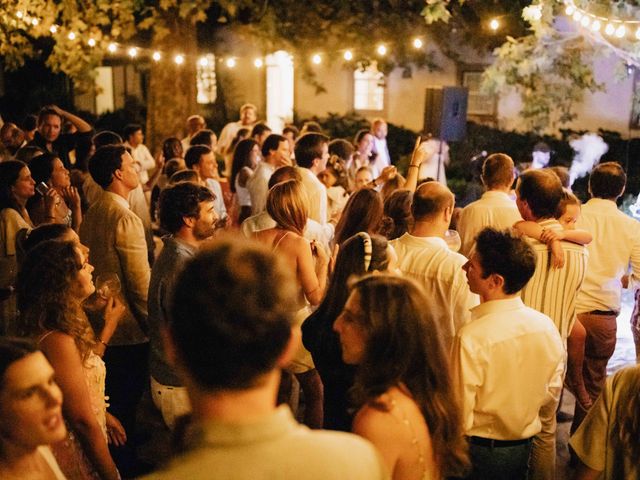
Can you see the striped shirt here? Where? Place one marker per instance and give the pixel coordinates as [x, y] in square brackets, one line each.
[553, 291]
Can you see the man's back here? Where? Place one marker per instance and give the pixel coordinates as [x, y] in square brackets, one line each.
[553, 291]
[258, 186]
[616, 243]
[275, 447]
[116, 239]
[439, 270]
[494, 209]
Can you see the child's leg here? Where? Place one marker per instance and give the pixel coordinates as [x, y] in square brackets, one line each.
[574, 380]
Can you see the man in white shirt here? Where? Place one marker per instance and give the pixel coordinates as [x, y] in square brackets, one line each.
[312, 153]
[508, 361]
[379, 129]
[201, 159]
[615, 246]
[142, 157]
[195, 123]
[424, 255]
[262, 221]
[248, 117]
[551, 291]
[233, 332]
[495, 208]
[275, 153]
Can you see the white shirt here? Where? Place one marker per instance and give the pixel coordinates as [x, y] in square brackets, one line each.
[218, 203]
[429, 167]
[258, 186]
[615, 245]
[553, 291]
[317, 195]
[439, 270]
[142, 156]
[227, 135]
[383, 159]
[494, 209]
[508, 362]
[312, 231]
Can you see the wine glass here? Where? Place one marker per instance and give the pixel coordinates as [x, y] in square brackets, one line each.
[453, 240]
[108, 285]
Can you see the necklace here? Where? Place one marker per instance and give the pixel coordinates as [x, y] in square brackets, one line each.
[414, 438]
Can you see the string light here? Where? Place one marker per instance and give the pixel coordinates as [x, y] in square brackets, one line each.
[133, 52]
[19, 14]
[595, 26]
[157, 56]
[610, 29]
[71, 36]
[570, 9]
[112, 48]
[179, 59]
[53, 28]
[612, 26]
[382, 50]
[585, 21]
[638, 33]
[348, 56]
[203, 62]
[417, 43]
[258, 63]
[231, 62]
[316, 59]
[494, 24]
[35, 22]
[620, 31]
[577, 15]
[91, 42]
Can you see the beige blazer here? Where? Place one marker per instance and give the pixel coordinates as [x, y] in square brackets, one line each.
[115, 236]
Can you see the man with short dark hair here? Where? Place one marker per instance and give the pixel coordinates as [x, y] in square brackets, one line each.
[50, 138]
[495, 208]
[312, 153]
[615, 247]
[202, 160]
[133, 138]
[275, 153]
[187, 214]
[424, 255]
[551, 291]
[115, 236]
[260, 132]
[232, 332]
[508, 361]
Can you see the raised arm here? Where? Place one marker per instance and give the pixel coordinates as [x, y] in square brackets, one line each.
[418, 156]
[80, 124]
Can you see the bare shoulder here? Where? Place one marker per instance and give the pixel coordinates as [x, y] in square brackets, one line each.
[376, 424]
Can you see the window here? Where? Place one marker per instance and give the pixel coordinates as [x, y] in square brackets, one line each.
[479, 102]
[104, 87]
[206, 79]
[279, 90]
[368, 88]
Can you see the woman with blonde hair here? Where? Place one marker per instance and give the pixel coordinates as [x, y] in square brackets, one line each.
[403, 391]
[287, 206]
[54, 281]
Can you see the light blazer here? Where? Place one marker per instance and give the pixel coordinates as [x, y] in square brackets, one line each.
[115, 236]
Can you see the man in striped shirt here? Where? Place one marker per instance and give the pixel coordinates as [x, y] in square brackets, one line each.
[551, 291]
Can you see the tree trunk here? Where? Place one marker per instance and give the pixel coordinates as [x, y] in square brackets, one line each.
[172, 87]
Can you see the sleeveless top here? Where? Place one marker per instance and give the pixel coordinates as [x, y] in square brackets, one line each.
[69, 452]
[242, 193]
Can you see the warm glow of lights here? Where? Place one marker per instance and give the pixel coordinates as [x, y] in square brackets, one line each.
[570, 9]
[348, 56]
[132, 52]
[112, 48]
[494, 24]
[258, 63]
[317, 59]
[91, 42]
[577, 15]
[179, 59]
[156, 56]
[203, 62]
[71, 36]
[382, 50]
[585, 21]
[231, 62]
[53, 28]
[417, 43]
[610, 30]
[35, 22]
[638, 33]
[19, 14]
[621, 31]
[595, 26]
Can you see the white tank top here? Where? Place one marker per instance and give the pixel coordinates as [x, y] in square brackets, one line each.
[244, 199]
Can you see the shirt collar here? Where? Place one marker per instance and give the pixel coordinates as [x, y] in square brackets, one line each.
[179, 245]
[496, 194]
[122, 201]
[602, 203]
[424, 241]
[496, 306]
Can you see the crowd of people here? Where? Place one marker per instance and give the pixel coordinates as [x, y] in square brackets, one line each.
[297, 308]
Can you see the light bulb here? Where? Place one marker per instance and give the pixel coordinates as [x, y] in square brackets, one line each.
[179, 59]
[317, 59]
[348, 56]
[417, 43]
[71, 36]
[133, 52]
[569, 10]
[53, 28]
[156, 56]
[610, 29]
[620, 31]
[595, 26]
[382, 50]
[91, 42]
[231, 62]
[494, 24]
[112, 48]
[203, 62]
[258, 63]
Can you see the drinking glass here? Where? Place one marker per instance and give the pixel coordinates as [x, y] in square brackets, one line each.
[108, 285]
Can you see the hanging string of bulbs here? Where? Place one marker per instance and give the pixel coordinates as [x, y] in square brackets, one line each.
[612, 27]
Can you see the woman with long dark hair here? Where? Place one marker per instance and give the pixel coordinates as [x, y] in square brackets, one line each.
[54, 281]
[245, 160]
[403, 390]
[363, 213]
[358, 255]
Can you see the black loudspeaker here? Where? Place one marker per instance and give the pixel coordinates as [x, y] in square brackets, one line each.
[445, 113]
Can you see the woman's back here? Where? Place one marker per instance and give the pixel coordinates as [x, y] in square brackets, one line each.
[396, 420]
